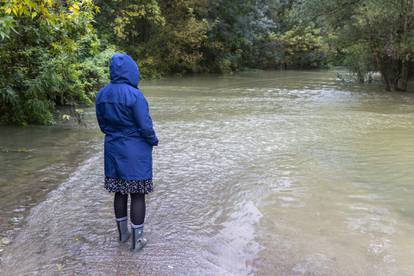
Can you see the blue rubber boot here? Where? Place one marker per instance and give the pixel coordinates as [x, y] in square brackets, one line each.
[138, 241]
[122, 224]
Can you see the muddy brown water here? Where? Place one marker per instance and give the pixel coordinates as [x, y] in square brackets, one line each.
[259, 173]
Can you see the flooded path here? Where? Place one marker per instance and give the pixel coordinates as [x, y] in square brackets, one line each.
[266, 173]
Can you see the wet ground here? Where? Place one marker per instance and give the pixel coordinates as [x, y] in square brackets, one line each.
[260, 173]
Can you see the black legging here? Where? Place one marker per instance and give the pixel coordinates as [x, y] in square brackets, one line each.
[137, 212]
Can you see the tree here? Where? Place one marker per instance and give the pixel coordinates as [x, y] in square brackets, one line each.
[163, 36]
[383, 28]
[49, 55]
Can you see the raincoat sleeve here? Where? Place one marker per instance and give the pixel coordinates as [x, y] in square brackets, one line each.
[143, 119]
[100, 120]
[99, 117]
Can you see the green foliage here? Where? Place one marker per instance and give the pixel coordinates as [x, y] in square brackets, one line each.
[50, 55]
[6, 26]
[303, 47]
[190, 36]
[166, 37]
[358, 61]
[370, 35]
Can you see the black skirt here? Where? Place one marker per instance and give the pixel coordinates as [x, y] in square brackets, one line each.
[128, 186]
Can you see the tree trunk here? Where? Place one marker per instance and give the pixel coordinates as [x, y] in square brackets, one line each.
[402, 82]
[378, 60]
[361, 77]
[386, 79]
[384, 74]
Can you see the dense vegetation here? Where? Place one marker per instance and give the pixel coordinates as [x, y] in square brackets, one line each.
[50, 54]
[55, 53]
[372, 35]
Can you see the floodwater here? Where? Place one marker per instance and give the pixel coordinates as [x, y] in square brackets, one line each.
[259, 173]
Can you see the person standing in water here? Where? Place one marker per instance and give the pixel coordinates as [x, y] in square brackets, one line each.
[123, 115]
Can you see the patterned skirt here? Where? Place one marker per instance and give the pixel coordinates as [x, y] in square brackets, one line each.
[128, 186]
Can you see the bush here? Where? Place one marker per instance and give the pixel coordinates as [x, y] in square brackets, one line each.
[358, 62]
[47, 61]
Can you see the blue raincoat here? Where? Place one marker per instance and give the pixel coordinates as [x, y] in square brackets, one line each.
[123, 115]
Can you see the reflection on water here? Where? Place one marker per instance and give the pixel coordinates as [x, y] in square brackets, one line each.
[268, 173]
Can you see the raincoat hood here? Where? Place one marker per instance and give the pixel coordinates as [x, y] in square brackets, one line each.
[123, 69]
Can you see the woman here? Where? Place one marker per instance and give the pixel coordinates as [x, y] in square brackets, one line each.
[123, 115]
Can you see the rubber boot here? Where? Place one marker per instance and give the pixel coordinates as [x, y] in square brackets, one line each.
[122, 224]
[138, 241]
